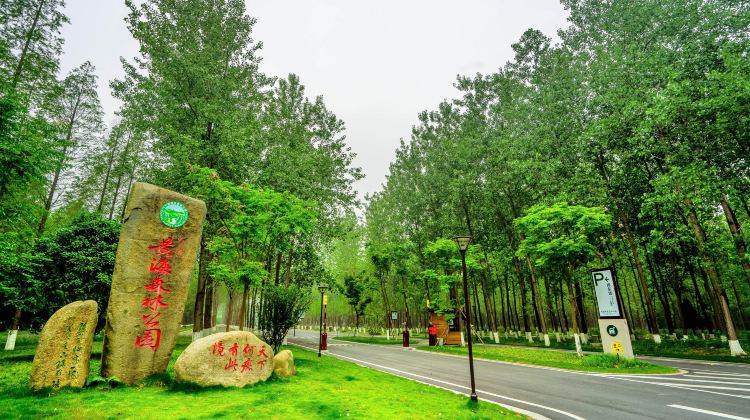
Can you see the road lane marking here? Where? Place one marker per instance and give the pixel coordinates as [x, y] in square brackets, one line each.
[681, 387]
[713, 413]
[726, 388]
[426, 378]
[685, 378]
[712, 373]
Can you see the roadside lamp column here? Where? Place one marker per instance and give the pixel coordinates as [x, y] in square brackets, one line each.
[323, 336]
[405, 333]
[463, 245]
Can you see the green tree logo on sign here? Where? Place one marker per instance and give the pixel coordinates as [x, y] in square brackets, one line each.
[173, 214]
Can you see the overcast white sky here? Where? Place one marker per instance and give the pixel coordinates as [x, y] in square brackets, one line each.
[377, 63]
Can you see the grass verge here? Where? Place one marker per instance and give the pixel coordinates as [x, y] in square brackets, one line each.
[714, 350]
[599, 363]
[323, 388]
[375, 340]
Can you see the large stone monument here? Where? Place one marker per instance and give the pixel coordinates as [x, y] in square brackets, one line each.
[155, 260]
[235, 358]
[64, 349]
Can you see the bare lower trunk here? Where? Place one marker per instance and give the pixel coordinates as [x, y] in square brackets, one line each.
[200, 295]
[536, 299]
[243, 306]
[574, 316]
[739, 241]
[229, 310]
[10, 341]
[714, 279]
[651, 315]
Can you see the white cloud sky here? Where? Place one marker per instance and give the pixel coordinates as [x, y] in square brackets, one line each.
[376, 63]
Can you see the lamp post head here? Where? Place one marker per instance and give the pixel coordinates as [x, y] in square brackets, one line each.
[322, 287]
[462, 242]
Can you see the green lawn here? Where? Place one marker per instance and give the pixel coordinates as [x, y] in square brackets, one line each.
[323, 388]
[692, 349]
[366, 339]
[600, 363]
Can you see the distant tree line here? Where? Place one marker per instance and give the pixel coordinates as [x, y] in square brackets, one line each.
[199, 117]
[624, 144]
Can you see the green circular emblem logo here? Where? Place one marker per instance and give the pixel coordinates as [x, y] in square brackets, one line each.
[173, 214]
[612, 330]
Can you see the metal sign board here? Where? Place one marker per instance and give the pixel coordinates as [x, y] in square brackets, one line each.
[606, 293]
[394, 315]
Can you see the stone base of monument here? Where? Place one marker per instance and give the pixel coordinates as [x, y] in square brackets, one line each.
[230, 359]
[64, 350]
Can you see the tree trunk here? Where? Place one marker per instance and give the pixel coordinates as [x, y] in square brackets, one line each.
[734, 229]
[288, 274]
[200, 294]
[563, 315]
[243, 306]
[734, 344]
[56, 178]
[278, 268]
[27, 44]
[106, 179]
[208, 307]
[653, 325]
[478, 313]
[526, 326]
[536, 300]
[574, 315]
[229, 309]
[550, 306]
[580, 308]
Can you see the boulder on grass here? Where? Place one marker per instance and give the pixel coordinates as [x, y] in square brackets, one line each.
[64, 350]
[283, 364]
[235, 358]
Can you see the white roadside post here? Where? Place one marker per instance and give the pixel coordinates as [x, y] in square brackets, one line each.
[613, 327]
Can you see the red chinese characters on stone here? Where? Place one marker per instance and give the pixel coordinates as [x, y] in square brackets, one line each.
[248, 351]
[150, 320]
[164, 248]
[156, 286]
[154, 303]
[151, 336]
[161, 267]
[262, 353]
[232, 364]
[218, 347]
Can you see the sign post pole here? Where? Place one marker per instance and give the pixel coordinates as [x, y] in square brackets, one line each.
[613, 327]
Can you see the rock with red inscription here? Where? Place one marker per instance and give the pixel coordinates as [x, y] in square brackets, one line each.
[235, 358]
[155, 261]
[64, 349]
[283, 364]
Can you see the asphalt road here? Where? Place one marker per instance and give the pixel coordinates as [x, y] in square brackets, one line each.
[704, 390]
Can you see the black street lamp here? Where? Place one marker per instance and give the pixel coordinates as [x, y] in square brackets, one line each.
[463, 244]
[322, 336]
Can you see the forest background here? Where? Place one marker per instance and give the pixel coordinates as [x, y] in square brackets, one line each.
[624, 144]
